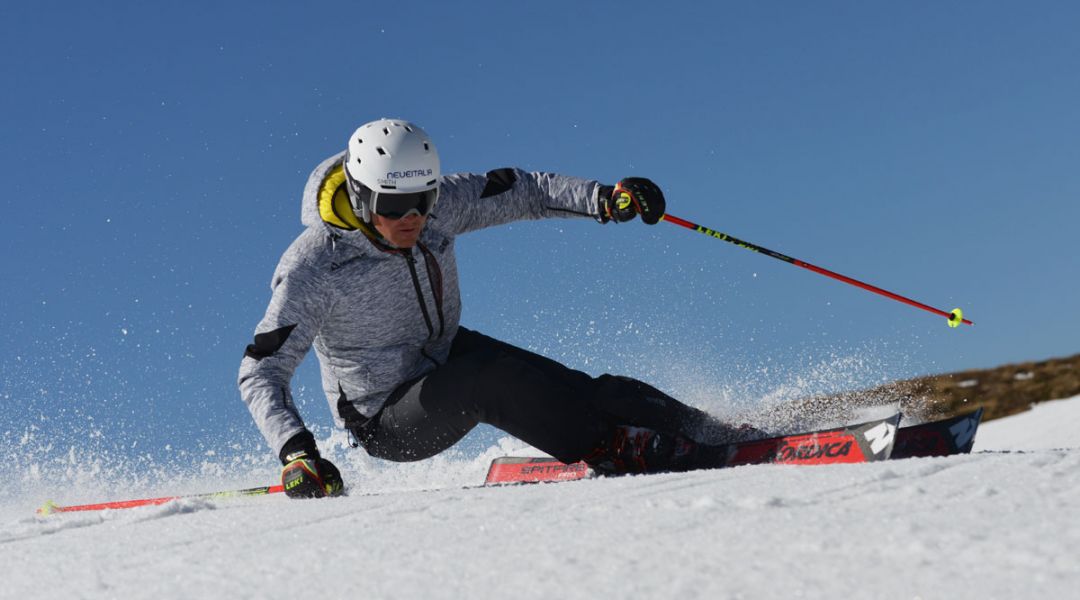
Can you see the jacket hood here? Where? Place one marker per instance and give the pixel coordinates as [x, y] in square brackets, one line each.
[326, 193]
[325, 204]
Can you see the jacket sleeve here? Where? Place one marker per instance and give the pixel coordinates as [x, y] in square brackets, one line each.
[468, 201]
[282, 339]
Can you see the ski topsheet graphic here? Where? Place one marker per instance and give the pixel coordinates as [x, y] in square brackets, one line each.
[871, 441]
[955, 435]
[524, 469]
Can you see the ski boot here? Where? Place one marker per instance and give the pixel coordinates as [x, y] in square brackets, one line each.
[633, 450]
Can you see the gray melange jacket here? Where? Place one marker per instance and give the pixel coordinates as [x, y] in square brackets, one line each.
[379, 316]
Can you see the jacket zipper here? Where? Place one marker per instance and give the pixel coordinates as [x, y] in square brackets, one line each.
[419, 293]
[434, 273]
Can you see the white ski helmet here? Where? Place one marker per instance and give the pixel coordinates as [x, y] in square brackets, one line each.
[392, 169]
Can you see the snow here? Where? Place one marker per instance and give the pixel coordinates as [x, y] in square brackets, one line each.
[1047, 426]
[1003, 522]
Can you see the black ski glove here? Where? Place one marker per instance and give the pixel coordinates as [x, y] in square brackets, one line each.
[306, 474]
[630, 197]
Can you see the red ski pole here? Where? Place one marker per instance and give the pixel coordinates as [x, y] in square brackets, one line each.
[956, 317]
[50, 508]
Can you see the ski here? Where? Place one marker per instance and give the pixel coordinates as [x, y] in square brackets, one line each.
[871, 441]
[864, 442]
[534, 469]
[955, 435]
[51, 508]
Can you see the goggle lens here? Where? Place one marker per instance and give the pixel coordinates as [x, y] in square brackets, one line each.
[396, 206]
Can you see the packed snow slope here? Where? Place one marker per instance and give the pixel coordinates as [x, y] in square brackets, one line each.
[1003, 522]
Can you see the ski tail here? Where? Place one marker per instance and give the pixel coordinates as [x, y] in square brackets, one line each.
[864, 442]
[955, 435]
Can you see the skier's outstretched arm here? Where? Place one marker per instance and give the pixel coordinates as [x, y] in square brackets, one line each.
[468, 201]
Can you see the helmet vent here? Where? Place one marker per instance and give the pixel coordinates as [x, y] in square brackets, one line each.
[380, 150]
[409, 129]
[359, 141]
[427, 148]
[386, 131]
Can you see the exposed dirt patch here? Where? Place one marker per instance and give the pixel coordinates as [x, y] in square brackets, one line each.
[1001, 391]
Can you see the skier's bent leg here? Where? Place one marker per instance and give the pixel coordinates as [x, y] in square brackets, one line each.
[622, 400]
[616, 422]
[530, 397]
[641, 428]
[533, 398]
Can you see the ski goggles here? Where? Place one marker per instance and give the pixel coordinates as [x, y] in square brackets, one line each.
[398, 205]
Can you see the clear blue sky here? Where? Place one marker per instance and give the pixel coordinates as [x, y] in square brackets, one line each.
[154, 153]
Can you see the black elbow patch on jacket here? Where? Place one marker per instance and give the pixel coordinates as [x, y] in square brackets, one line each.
[498, 181]
[266, 344]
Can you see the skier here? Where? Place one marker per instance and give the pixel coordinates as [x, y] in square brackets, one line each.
[372, 283]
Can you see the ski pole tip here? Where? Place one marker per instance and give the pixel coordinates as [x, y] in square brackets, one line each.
[48, 508]
[956, 317]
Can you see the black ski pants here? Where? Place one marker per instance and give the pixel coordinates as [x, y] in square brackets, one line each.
[559, 410]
